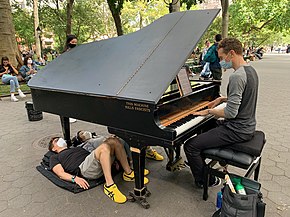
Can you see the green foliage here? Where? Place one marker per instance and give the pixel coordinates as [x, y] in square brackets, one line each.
[137, 14]
[5, 89]
[255, 21]
[190, 3]
[23, 22]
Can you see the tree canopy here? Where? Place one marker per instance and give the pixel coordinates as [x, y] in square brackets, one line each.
[259, 22]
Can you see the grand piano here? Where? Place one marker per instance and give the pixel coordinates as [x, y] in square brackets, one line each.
[130, 85]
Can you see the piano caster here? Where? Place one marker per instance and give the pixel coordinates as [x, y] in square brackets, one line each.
[140, 199]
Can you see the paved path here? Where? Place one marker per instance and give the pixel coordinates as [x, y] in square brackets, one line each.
[25, 192]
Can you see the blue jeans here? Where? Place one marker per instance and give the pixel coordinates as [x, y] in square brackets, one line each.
[12, 80]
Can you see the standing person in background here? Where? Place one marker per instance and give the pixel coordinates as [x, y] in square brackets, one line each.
[212, 57]
[204, 51]
[7, 72]
[71, 42]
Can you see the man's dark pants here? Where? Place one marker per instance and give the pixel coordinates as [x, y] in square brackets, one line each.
[216, 73]
[216, 137]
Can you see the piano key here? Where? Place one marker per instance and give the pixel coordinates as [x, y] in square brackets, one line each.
[194, 121]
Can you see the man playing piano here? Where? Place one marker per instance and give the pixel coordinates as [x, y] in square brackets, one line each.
[72, 164]
[239, 113]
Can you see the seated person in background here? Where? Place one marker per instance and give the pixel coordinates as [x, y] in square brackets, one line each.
[39, 62]
[7, 72]
[29, 69]
[72, 164]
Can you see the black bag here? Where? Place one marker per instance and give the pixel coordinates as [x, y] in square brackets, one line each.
[44, 169]
[235, 205]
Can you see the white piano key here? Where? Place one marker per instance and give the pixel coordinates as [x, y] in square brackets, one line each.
[184, 127]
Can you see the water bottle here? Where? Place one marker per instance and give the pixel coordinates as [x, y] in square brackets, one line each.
[219, 198]
[238, 186]
[240, 189]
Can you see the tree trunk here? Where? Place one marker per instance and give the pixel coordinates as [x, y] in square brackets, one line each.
[225, 18]
[36, 25]
[69, 10]
[118, 24]
[175, 5]
[116, 13]
[8, 45]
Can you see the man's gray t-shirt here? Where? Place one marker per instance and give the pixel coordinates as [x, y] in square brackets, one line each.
[242, 93]
[93, 143]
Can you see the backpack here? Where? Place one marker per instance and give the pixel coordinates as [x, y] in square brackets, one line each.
[212, 56]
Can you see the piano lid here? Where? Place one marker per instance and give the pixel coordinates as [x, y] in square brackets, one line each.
[138, 66]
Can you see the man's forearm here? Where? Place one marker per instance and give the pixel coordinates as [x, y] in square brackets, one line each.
[67, 177]
[217, 112]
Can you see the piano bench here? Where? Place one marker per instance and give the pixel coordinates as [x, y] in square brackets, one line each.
[245, 155]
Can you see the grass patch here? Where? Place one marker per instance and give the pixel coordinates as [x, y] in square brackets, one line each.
[5, 89]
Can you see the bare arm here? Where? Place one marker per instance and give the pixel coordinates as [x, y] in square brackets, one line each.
[15, 70]
[218, 112]
[4, 72]
[59, 171]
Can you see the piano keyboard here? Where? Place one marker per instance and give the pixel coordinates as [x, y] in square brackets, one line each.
[190, 121]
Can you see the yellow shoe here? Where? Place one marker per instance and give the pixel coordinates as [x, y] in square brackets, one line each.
[146, 172]
[114, 193]
[153, 154]
[131, 177]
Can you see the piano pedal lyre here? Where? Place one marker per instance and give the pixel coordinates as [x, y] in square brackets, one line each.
[177, 164]
[136, 197]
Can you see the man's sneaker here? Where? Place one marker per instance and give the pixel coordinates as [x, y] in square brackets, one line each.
[131, 177]
[14, 99]
[146, 172]
[215, 182]
[21, 94]
[114, 193]
[153, 154]
[72, 120]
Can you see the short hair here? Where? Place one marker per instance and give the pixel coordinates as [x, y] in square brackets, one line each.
[5, 58]
[231, 44]
[50, 144]
[218, 37]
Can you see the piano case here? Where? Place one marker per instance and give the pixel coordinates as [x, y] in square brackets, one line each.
[43, 168]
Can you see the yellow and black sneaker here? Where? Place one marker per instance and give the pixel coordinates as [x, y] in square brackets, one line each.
[153, 154]
[114, 193]
[131, 177]
[146, 172]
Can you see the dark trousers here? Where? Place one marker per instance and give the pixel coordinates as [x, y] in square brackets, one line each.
[216, 137]
[216, 73]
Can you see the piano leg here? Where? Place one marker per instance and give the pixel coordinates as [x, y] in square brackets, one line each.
[65, 129]
[140, 191]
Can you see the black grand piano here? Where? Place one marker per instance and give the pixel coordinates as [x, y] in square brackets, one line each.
[129, 84]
